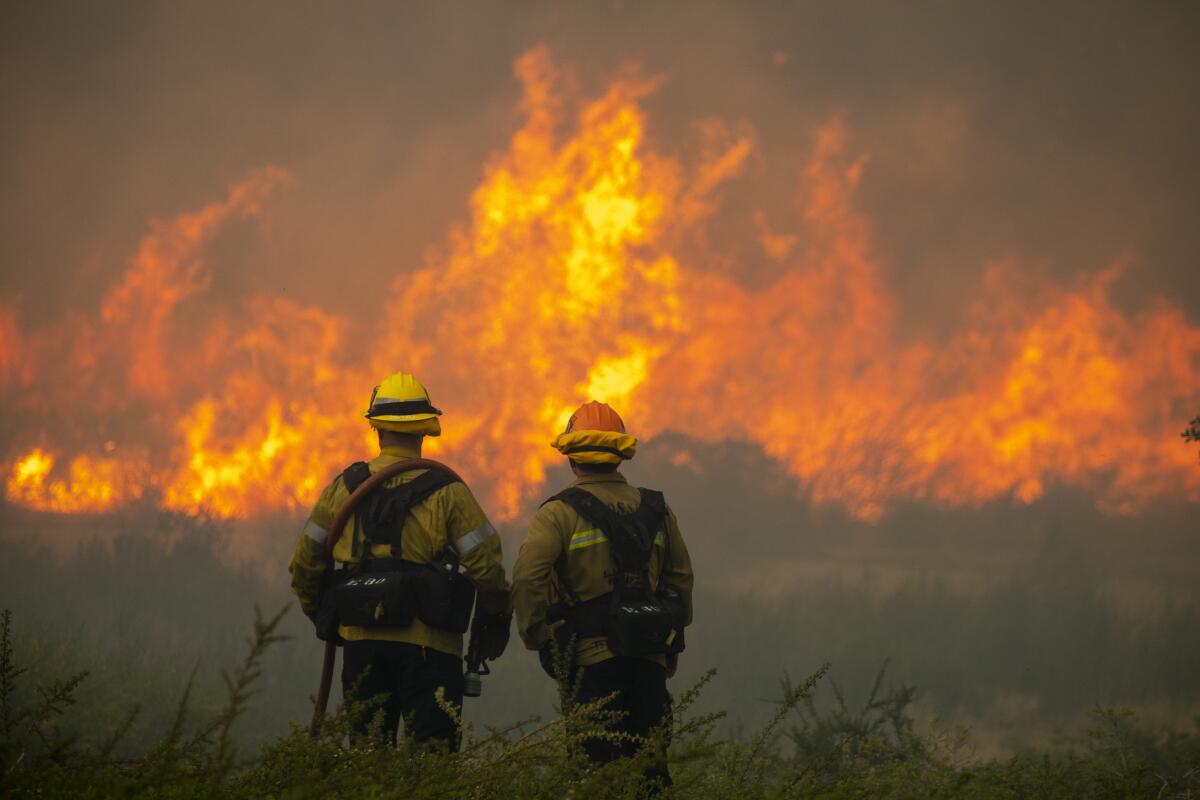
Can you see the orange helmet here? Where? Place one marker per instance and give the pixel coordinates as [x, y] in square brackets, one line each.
[593, 416]
[595, 434]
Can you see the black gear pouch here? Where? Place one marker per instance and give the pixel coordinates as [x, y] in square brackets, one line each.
[326, 618]
[376, 599]
[672, 600]
[446, 596]
[389, 593]
[640, 624]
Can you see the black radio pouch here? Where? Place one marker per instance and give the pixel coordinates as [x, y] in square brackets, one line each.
[390, 593]
[640, 624]
[447, 597]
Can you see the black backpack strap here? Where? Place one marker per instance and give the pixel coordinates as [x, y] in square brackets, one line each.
[653, 500]
[586, 504]
[630, 536]
[428, 482]
[356, 475]
[381, 515]
[423, 485]
[654, 511]
[591, 509]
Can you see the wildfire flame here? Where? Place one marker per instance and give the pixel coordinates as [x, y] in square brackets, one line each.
[565, 284]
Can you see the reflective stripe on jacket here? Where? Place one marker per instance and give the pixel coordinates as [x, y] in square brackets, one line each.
[451, 514]
[563, 546]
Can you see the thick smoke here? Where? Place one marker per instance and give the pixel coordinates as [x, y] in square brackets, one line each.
[1059, 136]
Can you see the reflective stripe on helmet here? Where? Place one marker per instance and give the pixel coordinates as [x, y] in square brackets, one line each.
[387, 406]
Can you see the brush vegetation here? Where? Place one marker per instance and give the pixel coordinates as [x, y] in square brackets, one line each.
[804, 750]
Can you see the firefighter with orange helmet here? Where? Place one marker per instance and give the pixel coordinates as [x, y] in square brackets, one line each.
[417, 553]
[605, 576]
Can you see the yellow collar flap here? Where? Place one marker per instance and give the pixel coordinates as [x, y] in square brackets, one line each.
[596, 447]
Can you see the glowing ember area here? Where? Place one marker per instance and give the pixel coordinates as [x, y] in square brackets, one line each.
[567, 283]
[91, 484]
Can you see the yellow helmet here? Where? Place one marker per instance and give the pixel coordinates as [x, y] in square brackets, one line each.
[401, 403]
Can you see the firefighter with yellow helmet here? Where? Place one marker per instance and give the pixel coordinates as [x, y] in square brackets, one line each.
[417, 552]
[604, 573]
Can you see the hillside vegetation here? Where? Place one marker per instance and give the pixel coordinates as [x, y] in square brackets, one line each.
[803, 751]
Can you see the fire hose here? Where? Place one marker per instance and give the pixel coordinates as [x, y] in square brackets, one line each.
[335, 533]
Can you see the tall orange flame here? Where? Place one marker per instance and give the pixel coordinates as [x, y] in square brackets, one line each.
[565, 284]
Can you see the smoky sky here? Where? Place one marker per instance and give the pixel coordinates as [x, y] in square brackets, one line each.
[1058, 136]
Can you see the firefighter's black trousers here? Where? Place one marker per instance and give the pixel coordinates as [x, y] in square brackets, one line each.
[642, 700]
[405, 677]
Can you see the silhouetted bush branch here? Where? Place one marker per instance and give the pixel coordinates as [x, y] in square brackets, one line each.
[1192, 432]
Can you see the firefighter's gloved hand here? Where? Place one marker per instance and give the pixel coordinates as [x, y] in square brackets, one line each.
[546, 657]
[672, 664]
[489, 634]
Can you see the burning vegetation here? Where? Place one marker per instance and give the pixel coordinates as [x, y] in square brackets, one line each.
[568, 282]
